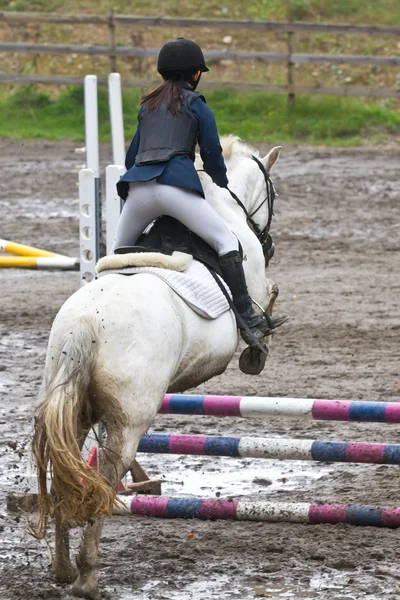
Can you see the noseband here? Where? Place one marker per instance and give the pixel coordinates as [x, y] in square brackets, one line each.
[263, 235]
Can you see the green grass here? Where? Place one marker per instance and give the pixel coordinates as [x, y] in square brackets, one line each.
[31, 114]
[347, 11]
[354, 11]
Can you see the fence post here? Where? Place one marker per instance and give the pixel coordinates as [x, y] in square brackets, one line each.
[290, 65]
[291, 94]
[111, 29]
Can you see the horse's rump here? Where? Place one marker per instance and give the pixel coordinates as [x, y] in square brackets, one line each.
[62, 421]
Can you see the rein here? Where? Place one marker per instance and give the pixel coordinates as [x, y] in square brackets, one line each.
[262, 234]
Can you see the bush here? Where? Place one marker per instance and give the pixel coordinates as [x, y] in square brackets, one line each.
[73, 95]
[28, 97]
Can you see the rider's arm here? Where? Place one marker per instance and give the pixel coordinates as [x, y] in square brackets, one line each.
[132, 150]
[208, 139]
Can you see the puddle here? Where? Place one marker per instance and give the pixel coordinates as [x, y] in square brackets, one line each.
[215, 476]
[322, 586]
[219, 588]
[17, 342]
[39, 209]
[206, 476]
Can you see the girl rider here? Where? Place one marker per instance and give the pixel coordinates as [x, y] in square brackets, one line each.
[161, 178]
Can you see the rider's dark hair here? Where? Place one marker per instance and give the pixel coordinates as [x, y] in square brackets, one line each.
[169, 92]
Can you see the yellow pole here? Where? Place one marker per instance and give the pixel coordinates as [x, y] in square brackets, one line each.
[39, 262]
[25, 262]
[21, 250]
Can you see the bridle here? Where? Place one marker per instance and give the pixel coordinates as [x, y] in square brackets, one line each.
[263, 235]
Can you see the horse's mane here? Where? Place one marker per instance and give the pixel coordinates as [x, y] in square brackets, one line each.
[233, 145]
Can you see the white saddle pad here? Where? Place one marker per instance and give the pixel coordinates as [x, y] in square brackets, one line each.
[196, 286]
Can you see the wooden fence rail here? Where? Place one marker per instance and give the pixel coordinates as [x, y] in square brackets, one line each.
[276, 57]
[223, 86]
[290, 58]
[277, 26]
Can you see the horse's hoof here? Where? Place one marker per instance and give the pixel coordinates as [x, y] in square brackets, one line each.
[269, 253]
[85, 590]
[252, 360]
[64, 573]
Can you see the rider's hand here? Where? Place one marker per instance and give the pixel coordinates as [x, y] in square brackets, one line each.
[221, 182]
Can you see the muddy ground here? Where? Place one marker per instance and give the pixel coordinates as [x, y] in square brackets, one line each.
[337, 231]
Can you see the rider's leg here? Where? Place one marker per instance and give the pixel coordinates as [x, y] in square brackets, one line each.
[137, 213]
[149, 200]
[195, 212]
[233, 273]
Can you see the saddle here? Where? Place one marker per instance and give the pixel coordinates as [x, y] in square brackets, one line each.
[168, 235]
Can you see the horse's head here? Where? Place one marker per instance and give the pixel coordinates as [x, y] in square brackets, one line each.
[248, 211]
[255, 185]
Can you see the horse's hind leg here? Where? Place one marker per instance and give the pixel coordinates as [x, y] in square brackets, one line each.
[64, 570]
[85, 585]
[118, 455]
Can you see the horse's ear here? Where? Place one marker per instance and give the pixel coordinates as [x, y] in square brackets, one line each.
[271, 158]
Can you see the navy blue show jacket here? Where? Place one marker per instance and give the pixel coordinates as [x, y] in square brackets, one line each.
[179, 170]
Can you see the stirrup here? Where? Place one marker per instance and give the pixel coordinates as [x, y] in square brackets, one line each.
[266, 327]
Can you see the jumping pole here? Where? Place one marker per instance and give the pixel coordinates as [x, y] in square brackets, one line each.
[276, 448]
[22, 250]
[264, 408]
[61, 263]
[271, 512]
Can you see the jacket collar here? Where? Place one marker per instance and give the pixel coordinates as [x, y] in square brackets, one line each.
[184, 85]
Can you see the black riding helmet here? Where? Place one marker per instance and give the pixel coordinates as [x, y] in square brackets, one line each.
[181, 56]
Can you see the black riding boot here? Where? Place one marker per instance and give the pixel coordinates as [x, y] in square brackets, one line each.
[233, 274]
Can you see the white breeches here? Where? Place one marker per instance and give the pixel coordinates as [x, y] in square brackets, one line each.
[149, 200]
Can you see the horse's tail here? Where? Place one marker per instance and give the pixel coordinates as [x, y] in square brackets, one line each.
[57, 427]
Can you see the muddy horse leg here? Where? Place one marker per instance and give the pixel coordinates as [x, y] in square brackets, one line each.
[64, 570]
[117, 458]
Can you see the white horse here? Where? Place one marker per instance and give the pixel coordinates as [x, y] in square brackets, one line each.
[116, 347]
